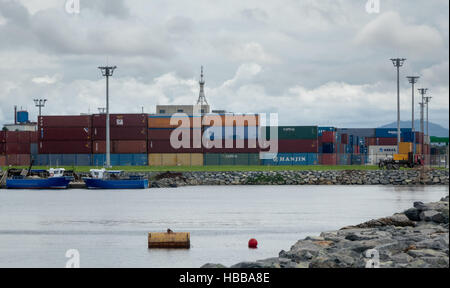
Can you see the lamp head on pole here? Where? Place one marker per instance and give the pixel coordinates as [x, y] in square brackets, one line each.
[413, 79]
[107, 71]
[398, 62]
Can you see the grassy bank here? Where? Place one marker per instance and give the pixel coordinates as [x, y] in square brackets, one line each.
[221, 168]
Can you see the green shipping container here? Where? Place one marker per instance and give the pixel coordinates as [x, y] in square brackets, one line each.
[295, 132]
[230, 159]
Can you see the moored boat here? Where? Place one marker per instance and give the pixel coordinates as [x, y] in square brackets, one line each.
[107, 179]
[55, 180]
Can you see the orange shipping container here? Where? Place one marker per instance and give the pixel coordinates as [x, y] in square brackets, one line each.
[231, 120]
[173, 122]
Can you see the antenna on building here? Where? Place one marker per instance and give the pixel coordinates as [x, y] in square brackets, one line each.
[201, 97]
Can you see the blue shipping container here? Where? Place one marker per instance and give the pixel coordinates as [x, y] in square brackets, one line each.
[292, 159]
[231, 132]
[390, 132]
[361, 132]
[121, 160]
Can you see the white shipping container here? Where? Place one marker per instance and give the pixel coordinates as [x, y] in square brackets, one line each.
[378, 153]
[382, 150]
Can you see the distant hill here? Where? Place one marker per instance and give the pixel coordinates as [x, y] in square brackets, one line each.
[435, 129]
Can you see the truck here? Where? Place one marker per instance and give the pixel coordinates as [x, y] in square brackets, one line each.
[398, 161]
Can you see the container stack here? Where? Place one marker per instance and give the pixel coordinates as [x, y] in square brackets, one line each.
[297, 145]
[231, 139]
[163, 152]
[64, 141]
[2, 148]
[327, 138]
[128, 136]
[15, 148]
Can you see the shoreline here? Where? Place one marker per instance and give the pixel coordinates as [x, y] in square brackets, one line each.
[412, 177]
[415, 238]
[328, 177]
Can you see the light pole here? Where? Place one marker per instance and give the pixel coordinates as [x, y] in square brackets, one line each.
[107, 71]
[413, 80]
[423, 92]
[40, 103]
[398, 62]
[427, 100]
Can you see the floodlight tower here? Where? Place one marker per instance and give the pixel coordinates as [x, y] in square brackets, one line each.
[427, 101]
[413, 80]
[107, 71]
[40, 103]
[398, 62]
[423, 92]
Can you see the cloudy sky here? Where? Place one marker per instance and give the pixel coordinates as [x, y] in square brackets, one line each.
[321, 62]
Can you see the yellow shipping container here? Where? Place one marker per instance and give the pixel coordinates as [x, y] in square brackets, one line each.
[169, 159]
[154, 160]
[175, 159]
[406, 147]
[400, 157]
[183, 159]
[196, 159]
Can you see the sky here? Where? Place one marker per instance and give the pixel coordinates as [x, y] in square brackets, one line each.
[313, 62]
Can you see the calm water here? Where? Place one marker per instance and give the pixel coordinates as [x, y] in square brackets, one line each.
[109, 228]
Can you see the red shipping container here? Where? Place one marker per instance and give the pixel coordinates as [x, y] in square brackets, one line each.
[120, 120]
[386, 141]
[3, 161]
[18, 159]
[245, 144]
[328, 137]
[344, 138]
[296, 146]
[61, 134]
[121, 147]
[24, 137]
[34, 137]
[164, 146]
[17, 148]
[99, 147]
[12, 136]
[164, 134]
[372, 141]
[328, 159]
[2, 136]
[65, 121]
[129, 147]
[129, 133]
[65, 147]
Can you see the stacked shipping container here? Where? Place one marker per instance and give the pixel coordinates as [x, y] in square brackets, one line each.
[297, 145]
[159, 146]
[128, 135]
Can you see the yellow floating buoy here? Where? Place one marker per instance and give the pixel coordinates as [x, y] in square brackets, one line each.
[169, 240]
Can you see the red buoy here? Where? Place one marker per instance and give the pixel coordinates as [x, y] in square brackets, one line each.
[252, 243]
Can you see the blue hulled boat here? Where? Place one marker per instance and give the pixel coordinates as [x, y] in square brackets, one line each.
[56, 180]
[104, 179]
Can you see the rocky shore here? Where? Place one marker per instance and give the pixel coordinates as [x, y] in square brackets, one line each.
[330, 177]
[416, 238]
